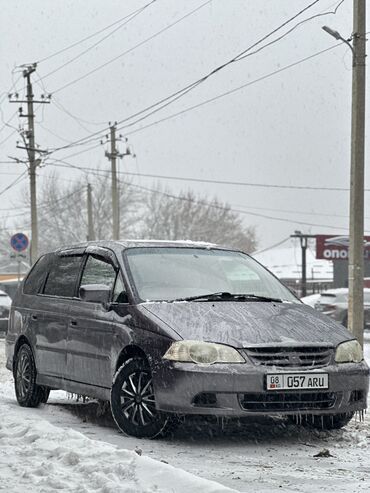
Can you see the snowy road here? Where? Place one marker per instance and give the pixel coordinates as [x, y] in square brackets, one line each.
[65, 446]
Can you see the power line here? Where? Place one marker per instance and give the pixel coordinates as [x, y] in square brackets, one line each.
[63, 163]
[233, 209]
[88, 37]
[13, 183]
[227, 93]
[159, 105]
[8, 137]
[130, 49]
[247, 52]
[74, 117]
[135, 14]
[202, 103]
[6, 124]
[272, 246]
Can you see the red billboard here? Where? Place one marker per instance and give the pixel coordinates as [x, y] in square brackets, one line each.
[330, 247]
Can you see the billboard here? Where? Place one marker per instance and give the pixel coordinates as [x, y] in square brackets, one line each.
[330, 247]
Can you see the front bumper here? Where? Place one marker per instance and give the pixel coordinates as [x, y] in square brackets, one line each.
[240, 390]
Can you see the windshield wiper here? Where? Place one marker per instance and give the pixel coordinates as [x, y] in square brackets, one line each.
[225, 296]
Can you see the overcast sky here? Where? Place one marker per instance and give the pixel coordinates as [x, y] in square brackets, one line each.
[292, 128]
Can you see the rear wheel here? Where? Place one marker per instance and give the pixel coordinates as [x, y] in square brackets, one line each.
[28, 393]
[133, 402]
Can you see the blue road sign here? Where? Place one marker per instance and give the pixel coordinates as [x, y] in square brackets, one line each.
[19, 242]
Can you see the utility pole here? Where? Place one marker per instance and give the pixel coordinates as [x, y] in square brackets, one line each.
[356, 204]
[112, 156]
[90, 223]
[303, 241]
[29, 140]
[356, 221]
[32, 166]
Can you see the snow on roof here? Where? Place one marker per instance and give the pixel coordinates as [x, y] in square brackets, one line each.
[285, 263]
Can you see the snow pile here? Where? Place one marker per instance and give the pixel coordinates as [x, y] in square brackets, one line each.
[37, 456]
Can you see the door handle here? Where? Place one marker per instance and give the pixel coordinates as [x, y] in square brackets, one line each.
[33, 317]
[73, 323]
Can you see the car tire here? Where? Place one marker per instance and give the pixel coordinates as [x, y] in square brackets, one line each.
[28, 393]
[133, 402]
[327, 421]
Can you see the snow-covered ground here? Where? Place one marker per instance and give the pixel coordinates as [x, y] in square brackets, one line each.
[66, 445]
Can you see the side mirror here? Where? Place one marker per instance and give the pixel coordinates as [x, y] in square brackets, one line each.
[96, 293]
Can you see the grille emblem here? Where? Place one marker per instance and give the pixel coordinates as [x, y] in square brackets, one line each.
[294, 359]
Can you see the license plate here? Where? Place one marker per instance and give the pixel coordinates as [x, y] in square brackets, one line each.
[297, 381]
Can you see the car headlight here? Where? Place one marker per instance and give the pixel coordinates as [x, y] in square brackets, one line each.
[202, 353]
[349, 352]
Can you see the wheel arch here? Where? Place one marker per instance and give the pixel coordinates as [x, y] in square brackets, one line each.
[128, 352]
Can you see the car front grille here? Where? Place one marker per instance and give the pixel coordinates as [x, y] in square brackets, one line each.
[290, 357]
[285, 401]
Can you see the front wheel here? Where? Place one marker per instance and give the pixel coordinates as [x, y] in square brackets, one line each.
[133, 402]
[28, 393]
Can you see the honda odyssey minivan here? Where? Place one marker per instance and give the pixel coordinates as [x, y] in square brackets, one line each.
[167, 329]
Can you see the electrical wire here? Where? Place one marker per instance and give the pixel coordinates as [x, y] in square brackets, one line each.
[247, 52]
[231, 91]
[180, 93]
[88, 37]
[126, 52]
[233, 209]
[15, 182]
[272, 246]
[74, 117]
[8, 137]
[62, 163]
[120, 26]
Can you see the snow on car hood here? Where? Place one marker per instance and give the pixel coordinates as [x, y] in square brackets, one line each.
[243, 324]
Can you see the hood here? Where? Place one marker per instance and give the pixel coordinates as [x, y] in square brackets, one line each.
[245, 324]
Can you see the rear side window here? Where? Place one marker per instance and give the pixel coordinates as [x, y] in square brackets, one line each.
[35, 279]
[62, 277]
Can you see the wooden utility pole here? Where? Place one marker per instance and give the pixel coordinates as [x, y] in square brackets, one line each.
[90, 223]
[112, 156]
[29, 140]
[32, 166]
[356, 222]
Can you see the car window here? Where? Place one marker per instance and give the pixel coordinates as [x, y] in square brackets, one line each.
[98, 270]
[35, 279]
[62, 276]
[167, 273]
[119, 293]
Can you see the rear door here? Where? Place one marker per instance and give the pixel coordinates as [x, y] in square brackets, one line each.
[50, 318]
[90, 328]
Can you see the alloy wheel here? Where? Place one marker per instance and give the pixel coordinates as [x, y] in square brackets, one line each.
[137, 398]
[23, 374]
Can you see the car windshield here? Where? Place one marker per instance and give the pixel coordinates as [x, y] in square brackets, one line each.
[168, 274]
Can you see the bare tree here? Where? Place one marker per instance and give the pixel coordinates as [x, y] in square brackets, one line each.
[62, 211]
[188, 216]
[156, 214]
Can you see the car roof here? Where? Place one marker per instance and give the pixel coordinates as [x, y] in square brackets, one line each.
[340, 291]
[335, 291]
[140, 243]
